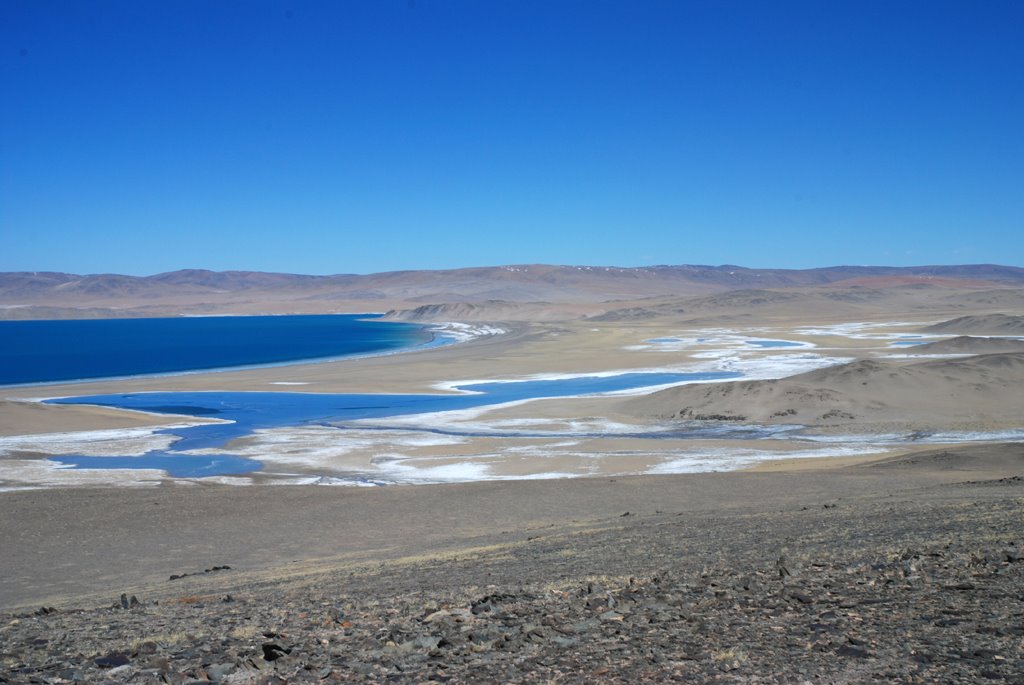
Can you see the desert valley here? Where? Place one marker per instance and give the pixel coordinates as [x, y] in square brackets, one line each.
[707, 473]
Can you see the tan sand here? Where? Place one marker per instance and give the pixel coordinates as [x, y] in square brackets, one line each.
[26, 418]
[92, 544]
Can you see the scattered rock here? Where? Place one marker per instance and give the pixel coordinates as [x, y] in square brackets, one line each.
[852, 650]
[127, 603]
[212, 569]
[273, 651]
[823, 610]
[112, 660]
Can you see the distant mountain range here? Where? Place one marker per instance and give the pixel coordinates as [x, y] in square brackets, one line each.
[41, 294]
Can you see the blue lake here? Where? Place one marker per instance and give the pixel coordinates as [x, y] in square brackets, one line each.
[773, 343]
[50, 351]
[250, 411]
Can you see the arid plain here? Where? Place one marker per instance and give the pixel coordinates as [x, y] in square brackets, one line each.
[894, 392]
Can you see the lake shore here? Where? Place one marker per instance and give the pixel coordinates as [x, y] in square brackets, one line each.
[542, 438]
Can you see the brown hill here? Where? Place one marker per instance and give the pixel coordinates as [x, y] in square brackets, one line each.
[992, 324]
[829, 300]
[966, 344]
[972, 392]
[1002, 298]
[491, 310]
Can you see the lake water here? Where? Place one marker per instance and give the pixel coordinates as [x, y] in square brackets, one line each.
[767, 344]
[251, 411]
[49, 351]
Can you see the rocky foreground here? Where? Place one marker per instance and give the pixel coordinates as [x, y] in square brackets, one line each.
[923, 586]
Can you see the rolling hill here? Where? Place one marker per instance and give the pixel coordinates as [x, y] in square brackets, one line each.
[967, 393]
[197, 291]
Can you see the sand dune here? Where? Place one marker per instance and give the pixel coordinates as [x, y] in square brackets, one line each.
[992, 324]
[973, 393]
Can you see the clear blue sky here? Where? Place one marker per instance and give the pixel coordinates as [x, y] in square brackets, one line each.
[142, 136]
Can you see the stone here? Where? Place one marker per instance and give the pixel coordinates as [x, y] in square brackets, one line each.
[128, 602]
[852, 651]
[147, 647]
[112, 660]
[426, 641]
[273, 651]
[217, 672]
[73, 674]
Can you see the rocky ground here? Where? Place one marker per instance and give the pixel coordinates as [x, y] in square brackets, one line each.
[924, 587]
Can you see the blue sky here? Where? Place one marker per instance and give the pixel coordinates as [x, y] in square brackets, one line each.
[334, 137]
